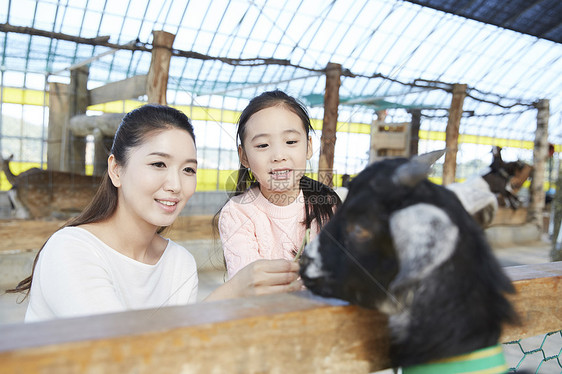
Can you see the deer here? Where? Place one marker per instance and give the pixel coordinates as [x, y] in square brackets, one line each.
[38, 193]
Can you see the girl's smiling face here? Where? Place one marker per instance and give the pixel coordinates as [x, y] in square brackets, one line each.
[275, 148]
[158, 177]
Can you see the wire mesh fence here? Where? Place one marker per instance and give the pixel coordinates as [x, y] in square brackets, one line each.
[539, 354]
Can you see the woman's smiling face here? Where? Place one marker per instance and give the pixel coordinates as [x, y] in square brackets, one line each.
[158, 178]
[276, 148]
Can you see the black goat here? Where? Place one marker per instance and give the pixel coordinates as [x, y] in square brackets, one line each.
[407, 247]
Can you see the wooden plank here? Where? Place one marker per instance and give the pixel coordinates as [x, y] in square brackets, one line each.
[106, 124]
[288, 333]
[284, 333]
[537, 301]
[192, 228]
[394, 136]
[389, 139]
[329, 124]
[122, 90]
[452, 133]
[31, 234]
[23, 235]
[509, 217]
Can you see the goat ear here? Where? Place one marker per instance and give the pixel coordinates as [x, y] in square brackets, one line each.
[416, 169]
[421, 244]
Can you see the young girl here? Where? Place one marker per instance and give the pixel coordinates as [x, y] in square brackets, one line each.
[111, 257]
[274, 201]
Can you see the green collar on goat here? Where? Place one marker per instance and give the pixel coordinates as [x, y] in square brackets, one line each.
[483, 361]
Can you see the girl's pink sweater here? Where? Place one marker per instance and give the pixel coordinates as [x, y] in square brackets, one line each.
[252, 228]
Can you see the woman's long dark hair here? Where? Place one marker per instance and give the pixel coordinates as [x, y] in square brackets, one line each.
[135, 127]
[319, 199]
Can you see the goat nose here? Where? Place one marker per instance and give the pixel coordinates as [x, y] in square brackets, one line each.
[304, 260]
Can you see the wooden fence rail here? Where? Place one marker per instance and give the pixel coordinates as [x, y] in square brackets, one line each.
[289, 333]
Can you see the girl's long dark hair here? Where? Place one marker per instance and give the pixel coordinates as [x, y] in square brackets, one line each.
[319, 202]
[135, 127]
[319, 199]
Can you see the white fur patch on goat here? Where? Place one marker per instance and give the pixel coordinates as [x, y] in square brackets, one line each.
[314, 270]
[424, 237]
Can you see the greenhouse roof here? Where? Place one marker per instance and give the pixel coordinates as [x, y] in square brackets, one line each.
[395, 54]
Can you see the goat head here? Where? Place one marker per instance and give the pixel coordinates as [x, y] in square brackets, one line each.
[407, 247]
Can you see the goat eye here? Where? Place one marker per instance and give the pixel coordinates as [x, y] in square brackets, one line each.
[359, 233]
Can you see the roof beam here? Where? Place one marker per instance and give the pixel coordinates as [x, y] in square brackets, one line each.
[140, 46]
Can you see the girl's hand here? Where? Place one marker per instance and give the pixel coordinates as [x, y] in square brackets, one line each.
[260, 278]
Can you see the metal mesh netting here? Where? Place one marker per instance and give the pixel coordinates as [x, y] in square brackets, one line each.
[540, 354]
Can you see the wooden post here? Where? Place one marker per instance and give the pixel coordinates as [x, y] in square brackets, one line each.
[57, 143]
[157, 81]
[328, 138]
[79, 96]
[452, 133]
[415, 131]
[78, 102]
[102, 147]
[373, 150]
[540, 156]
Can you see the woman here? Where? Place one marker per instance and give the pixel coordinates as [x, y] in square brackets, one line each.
[111, 257]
